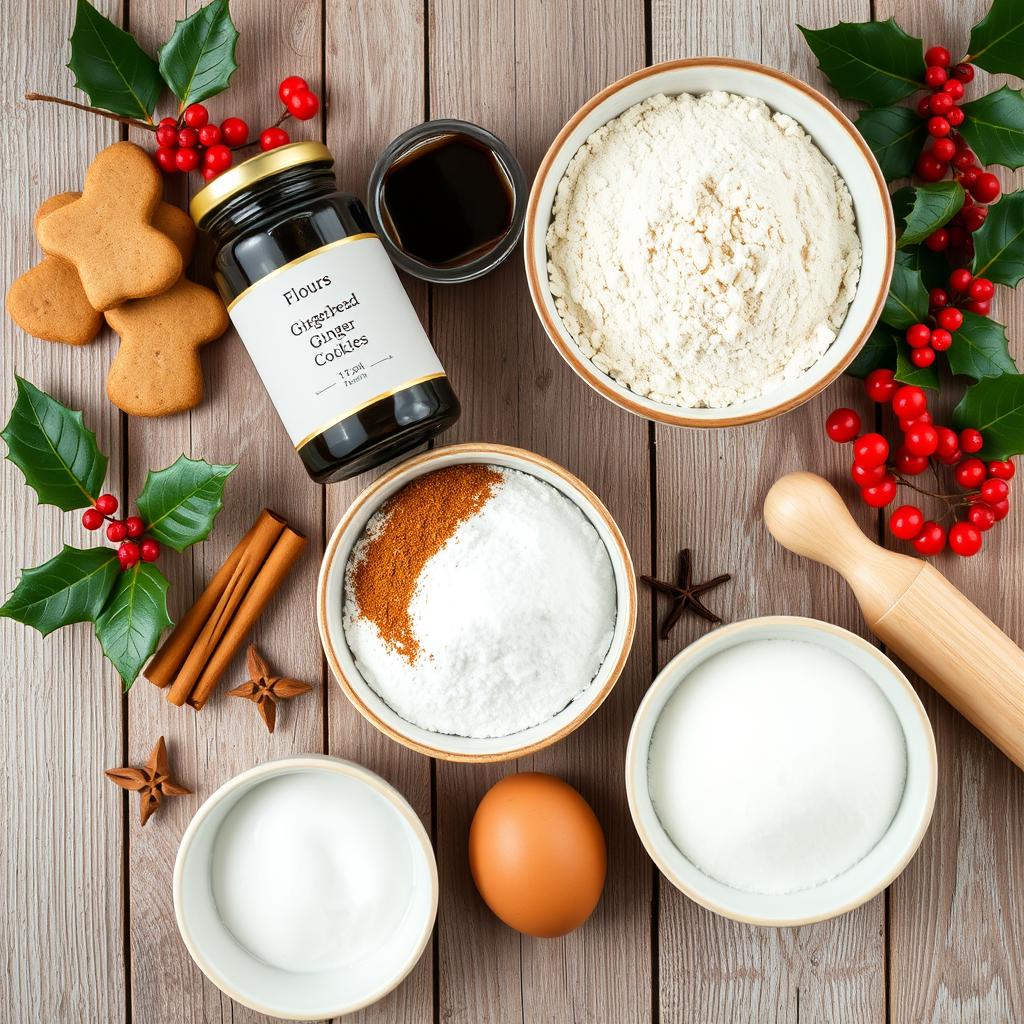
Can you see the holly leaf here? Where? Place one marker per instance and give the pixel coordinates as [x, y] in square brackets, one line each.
[995, 406]
[997, 41]
[72, 587]
[199, 59]
[930, 206]
[999, 242]
[51, 445]
[878, 351]
[908, 373]
[179, 503]
[129, 627]
[111, 68]
[873, 61]
[896, 136]
[907, 301]
[980, 348]
[994, 127]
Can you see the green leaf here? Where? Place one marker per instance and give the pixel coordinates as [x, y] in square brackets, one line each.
[896, 136]
[908, 373]
[907, 301]
[873, 61]
[199, 59]
[997, 41]
[994, 127]
[51, 445]
[129, 627]
[111, 68]
[72, 587]
[980, 349]
[180, 503]
[999, 242]
[931, 207]
[878, 351]
[996, 407]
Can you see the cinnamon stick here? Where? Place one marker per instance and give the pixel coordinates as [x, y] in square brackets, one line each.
[167, 661]
[285, 553]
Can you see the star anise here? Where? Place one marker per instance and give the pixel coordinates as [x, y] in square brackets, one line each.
[153, 782]
[685, 594]
[265, 689]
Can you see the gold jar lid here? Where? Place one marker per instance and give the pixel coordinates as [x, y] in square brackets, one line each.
[247, 173]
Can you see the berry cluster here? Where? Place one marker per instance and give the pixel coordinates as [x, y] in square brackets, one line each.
[190, 142]
[878, 472]
[124, 532]
[946, 314]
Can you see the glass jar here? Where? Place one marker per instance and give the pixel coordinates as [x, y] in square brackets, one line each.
[322, 312]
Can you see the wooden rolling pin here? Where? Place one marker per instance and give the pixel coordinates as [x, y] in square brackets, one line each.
[912, 608]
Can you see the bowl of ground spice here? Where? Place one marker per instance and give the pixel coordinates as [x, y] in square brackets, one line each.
[477, 603]
[709, 242]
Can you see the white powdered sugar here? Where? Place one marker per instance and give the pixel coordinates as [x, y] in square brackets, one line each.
[513, 616]
[702, 249]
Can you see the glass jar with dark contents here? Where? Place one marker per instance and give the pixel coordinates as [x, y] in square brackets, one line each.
[322, 312]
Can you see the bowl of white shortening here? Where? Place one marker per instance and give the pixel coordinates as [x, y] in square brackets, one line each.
[781, 771]
[709, 242]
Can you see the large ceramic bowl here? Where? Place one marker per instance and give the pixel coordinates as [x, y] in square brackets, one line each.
[834, 135]
[330, 604]
[857, 884]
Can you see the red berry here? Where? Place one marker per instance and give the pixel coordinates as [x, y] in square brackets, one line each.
[271, 138]
[973, 218]
[968, 177]
[963, 72]
[866, 475]
[150, 550]
[107, 504]
[196, 115]
[188, 138]
[917, 335]
[954, 88]
[1001, 469]
[1000, 509]
[970, 474]
[935, 77]
[941, 339]
[234, 131]
[928, 168]
[963, 160]
[209, 135]
[982, 289]
[924, 107]
[186, 160]
[937, 298]
[881, 385]
[921, 439]
[906, 422]
[971, 440]
[981, 516]
[871, 450]
[922, 357]
[209, 174]
[955, 116]
[881, 494]
[944, 149]
[994, 489]
[92, 518]
[289, 85]
[940, 103]
[303, 105]
[950, 318]
[909, 402]
[910, 465]
[964, 539]
[986, 188]
[218, 157]
[938, 240]
[842, 425]
[128, 554]
[167, 135]
[136, 527]
[960, 280]
[938, 128]
[981, 308]
[117, 532]
[165, 159]
[931, 540]
[949, 442]
[906, 522]
[168, 121]
[937, 57]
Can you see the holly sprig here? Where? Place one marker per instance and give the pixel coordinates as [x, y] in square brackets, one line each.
[119, 590]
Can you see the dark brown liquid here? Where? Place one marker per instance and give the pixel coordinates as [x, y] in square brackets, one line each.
[448, 200]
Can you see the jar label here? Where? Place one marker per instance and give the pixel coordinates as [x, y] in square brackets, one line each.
[331, 333]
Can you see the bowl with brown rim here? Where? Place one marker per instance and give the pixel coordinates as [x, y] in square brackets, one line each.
[833, 134]
[331, 600]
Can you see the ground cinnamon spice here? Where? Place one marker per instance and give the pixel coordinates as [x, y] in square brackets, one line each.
[421, 518]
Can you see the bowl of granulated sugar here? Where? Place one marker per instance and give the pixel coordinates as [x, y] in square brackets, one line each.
[477, 603]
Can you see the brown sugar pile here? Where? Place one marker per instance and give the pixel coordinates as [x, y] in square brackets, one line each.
[421, 518]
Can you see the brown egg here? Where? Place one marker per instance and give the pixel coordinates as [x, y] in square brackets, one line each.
[537, 854]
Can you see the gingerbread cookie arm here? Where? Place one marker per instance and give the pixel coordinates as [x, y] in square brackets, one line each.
[49, 302]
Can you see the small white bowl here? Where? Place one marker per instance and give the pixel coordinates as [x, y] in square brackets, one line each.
[250, 981]
[330, 605]
[834, 135]
[863, 880]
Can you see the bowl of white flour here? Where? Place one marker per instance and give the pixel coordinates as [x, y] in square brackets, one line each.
[709, 242]
[477, 603]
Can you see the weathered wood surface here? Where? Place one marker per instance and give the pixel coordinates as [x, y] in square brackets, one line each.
[88, 926]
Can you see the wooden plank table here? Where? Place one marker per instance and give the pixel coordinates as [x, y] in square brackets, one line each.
[88, 927]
